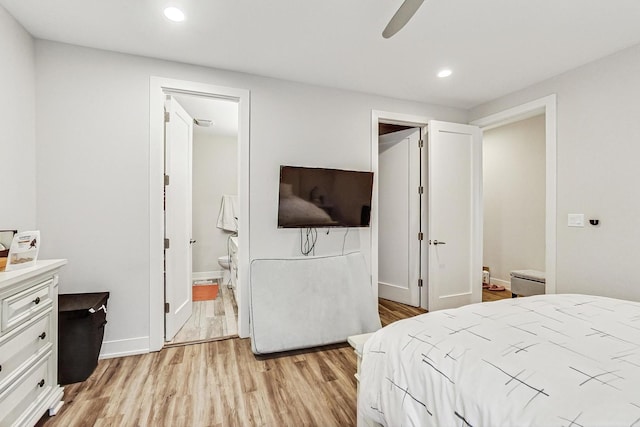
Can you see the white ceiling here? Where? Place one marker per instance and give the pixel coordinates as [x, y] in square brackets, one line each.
[223, 114]
[493, 46]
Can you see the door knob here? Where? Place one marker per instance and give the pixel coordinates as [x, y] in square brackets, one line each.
[191, 242]
[435, 242]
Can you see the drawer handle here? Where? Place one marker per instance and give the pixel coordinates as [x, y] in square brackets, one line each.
[42, 335]
[37, 300]
[41, 383]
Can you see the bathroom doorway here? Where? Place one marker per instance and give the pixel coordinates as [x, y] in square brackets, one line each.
[160, 305]
[214, 220]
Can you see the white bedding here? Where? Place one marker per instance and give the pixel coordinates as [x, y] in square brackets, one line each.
[547, 360]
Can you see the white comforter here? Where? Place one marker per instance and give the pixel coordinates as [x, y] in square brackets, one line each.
[547, 360]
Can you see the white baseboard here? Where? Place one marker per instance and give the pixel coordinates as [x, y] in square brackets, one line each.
[505, 283]
[126, 347]
[202, 275]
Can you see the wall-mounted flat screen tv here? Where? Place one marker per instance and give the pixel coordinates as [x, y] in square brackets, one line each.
[319, 197]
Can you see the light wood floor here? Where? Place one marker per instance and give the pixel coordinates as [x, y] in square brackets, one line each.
[221, 383]
[391, 311]
[495, 295]
[212, 319]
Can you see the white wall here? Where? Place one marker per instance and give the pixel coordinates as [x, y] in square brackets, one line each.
[93, 158]
[17, 127]
[514, 198]
[598, 152]
[215, 172]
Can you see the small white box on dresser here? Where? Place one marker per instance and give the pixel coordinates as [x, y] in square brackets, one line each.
[29, 343]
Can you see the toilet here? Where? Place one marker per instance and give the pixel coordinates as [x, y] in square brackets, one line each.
[225, 263]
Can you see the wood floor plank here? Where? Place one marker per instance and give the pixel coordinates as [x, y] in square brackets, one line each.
[221, 383]
[391, 311]
[211, 319]
[230, 311]
[495, 295]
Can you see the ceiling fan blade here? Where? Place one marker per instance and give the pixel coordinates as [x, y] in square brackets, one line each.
[401, 17]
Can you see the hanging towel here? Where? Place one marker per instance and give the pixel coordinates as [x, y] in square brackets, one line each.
[228, 216]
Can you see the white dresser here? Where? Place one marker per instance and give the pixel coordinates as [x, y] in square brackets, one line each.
[29, 344]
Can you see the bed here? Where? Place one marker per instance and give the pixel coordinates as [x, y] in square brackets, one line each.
[557, 360]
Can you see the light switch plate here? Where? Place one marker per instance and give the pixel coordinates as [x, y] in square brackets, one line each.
[575, 220]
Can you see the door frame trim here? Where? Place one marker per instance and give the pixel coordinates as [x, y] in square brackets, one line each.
[378, 116]
[548, 106]
[158, 87]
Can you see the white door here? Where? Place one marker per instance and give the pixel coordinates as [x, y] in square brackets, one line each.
[178, 148]
[399, 178]
[454, 157]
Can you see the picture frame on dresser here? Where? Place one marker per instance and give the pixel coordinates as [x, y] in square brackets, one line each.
[6, 237]
[24, 249]
[29, 343]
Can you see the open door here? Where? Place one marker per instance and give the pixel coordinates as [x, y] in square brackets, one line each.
[399, 213]
[454, 158]
[177, 258]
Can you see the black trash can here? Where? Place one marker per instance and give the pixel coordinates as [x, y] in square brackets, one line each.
[81, 320]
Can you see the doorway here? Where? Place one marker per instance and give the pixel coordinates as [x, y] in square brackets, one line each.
[159, 89]
[547, 107]
[210, 180]
[450, 248]
[514, 200]
[400, 218]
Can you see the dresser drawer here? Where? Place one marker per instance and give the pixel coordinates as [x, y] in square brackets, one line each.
[21, 346]
[20, 306]
[25, 393]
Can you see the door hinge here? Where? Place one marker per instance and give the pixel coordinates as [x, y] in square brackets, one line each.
[420, 235]
[421, 143]
[166, 307]
[419, 283]
[167, 116]
[166, 180]
[421, 190]
[166, 243]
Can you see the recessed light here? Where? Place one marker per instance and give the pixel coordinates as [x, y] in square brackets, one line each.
[174, 14]
[444, 73]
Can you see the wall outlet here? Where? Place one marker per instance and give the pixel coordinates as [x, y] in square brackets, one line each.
[575, 220]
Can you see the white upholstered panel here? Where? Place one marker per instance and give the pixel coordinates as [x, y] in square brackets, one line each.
[311, 301]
